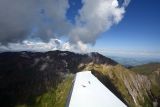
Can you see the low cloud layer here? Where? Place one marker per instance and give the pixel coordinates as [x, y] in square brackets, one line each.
[39, 23]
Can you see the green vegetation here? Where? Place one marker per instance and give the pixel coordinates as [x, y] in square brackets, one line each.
[152, 70]
[116, 75]
[155, 79]
[146, 68]
[55, 97]
[134, 86]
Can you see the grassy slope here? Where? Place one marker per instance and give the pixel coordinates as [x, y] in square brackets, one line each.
[152, 71]
[115, 79]
[146, 68]
[55, 97]
[130, 84]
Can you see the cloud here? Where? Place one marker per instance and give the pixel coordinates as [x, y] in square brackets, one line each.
[126, 3]
[40, 46]
[95, 17]
[24, 22]
[78, 47]
[18, 18]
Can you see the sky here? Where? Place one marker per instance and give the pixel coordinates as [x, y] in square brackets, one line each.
[118, 27]
[138, 32]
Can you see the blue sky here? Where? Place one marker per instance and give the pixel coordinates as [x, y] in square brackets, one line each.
[139, 30]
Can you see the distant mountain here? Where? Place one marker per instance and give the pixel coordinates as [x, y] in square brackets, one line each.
[31, 79]
[134, 61]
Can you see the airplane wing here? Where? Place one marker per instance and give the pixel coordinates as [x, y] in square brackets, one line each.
[88, 91]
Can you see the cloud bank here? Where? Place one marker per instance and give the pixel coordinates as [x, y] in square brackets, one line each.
[38, 25]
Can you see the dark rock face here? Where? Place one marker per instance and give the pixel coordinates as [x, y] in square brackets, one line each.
[53, 60]
[24, 75]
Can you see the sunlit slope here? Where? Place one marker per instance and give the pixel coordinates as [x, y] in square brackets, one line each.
[146, 68]
[136, 89]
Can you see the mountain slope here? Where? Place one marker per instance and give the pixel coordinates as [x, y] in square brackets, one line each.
[146, 68]
[31, 79]
[136, 89]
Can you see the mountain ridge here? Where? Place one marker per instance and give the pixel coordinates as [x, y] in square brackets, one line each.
[45, 71]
